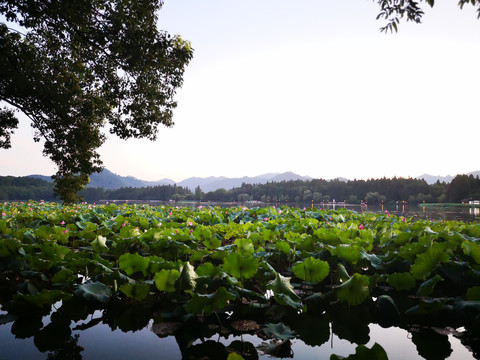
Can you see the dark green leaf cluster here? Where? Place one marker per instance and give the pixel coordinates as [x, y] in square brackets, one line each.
[395, 10]
[73, 67]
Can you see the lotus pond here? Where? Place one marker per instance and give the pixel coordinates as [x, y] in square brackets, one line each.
[131, 281]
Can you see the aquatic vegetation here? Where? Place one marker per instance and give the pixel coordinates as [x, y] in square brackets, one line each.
[194, 263]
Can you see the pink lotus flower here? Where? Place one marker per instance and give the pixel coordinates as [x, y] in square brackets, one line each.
[123, 224]
[159, 224]
[190, 223]
[3, 214]
[191, 231]
[265, 219]
[65, 231]
[361, 227]
[62, 222]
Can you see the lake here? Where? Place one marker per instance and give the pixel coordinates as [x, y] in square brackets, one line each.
[101, 337]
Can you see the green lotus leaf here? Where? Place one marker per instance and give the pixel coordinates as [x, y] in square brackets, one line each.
[42, 298]
[202, 233]
[471, 249]
[135, 291]
[132, 263]
[165, 279]
[129, 231]
[234, 356]
[278, 331]
[207, 269]
[351, 253]
[144, 224]
[342, 272]
[283, 247]
[363, 353]
[209, 303]
[473, 293]
[427, 262]
[283, 292]
[311, 269]
[63, 275]
[187, 279]
[244, 246]
[240, 266]
[99, 244]
[401, 281]
[212, 243]
[354, 291]
[94, 291]
[427, 287]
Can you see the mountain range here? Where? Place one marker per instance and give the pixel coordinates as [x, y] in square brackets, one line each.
[109, 180]
[432, 179]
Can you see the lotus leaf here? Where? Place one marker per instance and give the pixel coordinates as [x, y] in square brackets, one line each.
[472, 249]
[209, 303]
[351, 253]
[401, 281]
[312, 270]
[242, 267]
[473, 293]
[99, 244]
[427, 287]
[132, 263]
[135, 291]
[234, 356]
[244, 246]
[94, 291]
[278, 331]
[427, 262]
[281, 285]
[363, 353]
[186, 281]
[354, 291]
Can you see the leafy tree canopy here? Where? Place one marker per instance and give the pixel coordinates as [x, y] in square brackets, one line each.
[411, 10]
[76, 67]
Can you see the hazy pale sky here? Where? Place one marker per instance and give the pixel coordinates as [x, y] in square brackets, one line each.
[310, 86]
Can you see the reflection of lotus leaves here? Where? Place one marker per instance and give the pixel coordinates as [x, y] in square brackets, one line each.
[244, 348]
[351, 324]
[245, 325]
[312, 330]
[166, 328]
[281, 349]
[208, 350]
[431, 345]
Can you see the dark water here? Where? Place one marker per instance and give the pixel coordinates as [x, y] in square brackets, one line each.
[101, 342]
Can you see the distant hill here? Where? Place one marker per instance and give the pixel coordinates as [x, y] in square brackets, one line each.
[432, 179]
[41, 177]
[214, 183]
[108, 180]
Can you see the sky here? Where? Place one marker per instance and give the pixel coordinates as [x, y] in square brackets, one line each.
[310, 86]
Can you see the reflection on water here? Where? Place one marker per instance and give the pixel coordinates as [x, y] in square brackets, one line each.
[315, 336]
[474, 211]
[467, 214]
